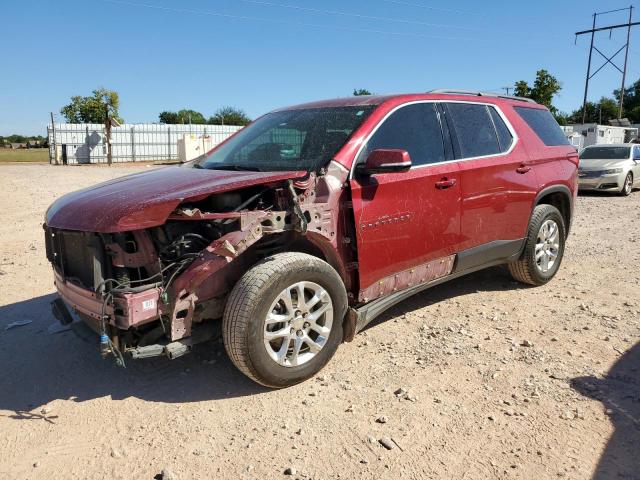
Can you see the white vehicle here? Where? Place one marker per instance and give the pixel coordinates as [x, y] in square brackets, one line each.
[614, 167]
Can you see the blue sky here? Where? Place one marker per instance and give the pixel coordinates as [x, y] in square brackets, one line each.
[263, 54]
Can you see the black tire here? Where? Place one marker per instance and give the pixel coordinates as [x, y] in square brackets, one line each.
[627, 186]
[526, 269]
[248, 306]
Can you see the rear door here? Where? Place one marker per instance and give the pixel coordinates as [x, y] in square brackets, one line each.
[498, 184]
[406, 220]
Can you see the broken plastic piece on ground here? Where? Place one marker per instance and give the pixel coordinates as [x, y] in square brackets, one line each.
[17, 323]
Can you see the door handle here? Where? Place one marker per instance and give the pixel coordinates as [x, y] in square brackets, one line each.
[523, 168]
[445, 183]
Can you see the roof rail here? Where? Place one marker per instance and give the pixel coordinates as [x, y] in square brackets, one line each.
[449, 91]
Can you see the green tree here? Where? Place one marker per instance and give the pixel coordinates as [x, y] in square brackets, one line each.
[361, 91]
[94, 108]
[522, 89]
[545, 87]
[168, 117]
[631, 106]
[183, 116]
[229, 116]
[601, 112]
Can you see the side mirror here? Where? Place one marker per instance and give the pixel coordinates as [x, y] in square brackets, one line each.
[385, 161]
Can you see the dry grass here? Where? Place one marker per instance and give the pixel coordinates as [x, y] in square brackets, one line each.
[8, 155]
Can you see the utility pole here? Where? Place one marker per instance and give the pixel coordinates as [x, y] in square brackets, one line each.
[107, 125]
[507, 90]
[53, 138]
[626, 56]
[608, 60]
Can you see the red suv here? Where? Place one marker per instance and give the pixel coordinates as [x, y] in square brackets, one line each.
[302, 227]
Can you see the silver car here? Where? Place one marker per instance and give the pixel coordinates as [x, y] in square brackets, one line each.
[614, 167]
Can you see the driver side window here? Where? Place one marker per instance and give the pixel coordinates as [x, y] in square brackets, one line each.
[414, 128]
[636, 153]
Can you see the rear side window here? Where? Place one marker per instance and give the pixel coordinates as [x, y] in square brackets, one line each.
[545, 126]
[414, 128]
[474, 128]
[504, 135]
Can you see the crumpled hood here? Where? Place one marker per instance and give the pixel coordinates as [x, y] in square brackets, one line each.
[146, 199]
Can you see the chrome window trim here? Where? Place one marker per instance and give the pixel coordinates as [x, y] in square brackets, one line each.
[506, 121]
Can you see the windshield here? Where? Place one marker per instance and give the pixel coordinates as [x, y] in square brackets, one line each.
[605, 153]
[305, 139]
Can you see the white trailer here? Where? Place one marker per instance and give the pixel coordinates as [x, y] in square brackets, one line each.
[594, 134]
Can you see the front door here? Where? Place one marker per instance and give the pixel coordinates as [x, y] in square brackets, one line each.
[408, 224]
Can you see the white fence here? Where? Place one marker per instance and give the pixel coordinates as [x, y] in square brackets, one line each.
[79, 143]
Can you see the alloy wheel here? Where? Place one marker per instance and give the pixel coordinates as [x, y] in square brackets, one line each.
[627, 184]
[547, 246]
[298, 324]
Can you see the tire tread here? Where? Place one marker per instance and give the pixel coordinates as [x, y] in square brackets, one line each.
[246, 293]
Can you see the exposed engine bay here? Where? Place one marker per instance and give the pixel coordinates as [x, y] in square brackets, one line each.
[154, 291]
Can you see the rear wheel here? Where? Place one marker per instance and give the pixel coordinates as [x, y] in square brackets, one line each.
[543, 249]
[627, 186]
[283, 319]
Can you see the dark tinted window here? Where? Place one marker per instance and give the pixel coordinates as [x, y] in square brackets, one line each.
[636, 153]
[504, 135]
[474, 129]
[545, 126]
[605, 153]
[414, 128]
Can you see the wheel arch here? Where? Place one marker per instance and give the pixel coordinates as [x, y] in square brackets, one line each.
[560, 197]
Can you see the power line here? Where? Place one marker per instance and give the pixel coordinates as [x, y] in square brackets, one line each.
[358, 15]
[281, 22]
[437, 9]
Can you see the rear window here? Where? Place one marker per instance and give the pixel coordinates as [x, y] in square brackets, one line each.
[474, 129]
[545, 126]
[605, 153]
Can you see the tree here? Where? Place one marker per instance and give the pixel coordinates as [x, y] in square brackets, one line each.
[601, 112]
[168, 117]
[94, 108]
[229, 116]
[361, 91]
[183, 116]
[545, 87]
[631, 106]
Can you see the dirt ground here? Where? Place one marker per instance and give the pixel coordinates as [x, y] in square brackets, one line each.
[501, 380]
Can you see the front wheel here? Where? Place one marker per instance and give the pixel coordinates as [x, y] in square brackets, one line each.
[283, 319]
[544, 247]
[627, 186]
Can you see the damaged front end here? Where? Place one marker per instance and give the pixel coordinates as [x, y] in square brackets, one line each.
[157, 291]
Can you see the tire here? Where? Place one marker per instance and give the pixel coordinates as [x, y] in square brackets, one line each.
[530, 269]
[269, 291]
[627, 186]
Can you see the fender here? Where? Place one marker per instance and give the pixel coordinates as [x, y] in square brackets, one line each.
[557, 188]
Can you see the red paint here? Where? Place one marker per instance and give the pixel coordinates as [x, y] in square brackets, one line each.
[404, 220]
[403, 223]
[145, 200]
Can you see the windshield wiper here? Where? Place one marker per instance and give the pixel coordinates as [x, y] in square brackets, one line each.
[237, 168]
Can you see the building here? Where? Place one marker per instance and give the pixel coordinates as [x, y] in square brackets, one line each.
[594, 134]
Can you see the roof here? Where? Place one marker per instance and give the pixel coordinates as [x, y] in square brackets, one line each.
[365, 100]
[612, 145]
